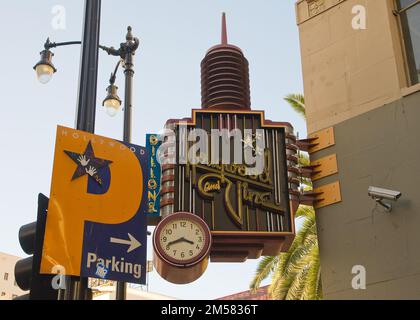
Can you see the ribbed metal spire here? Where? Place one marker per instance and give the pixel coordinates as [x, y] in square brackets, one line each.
[225, 76]
[224, 30]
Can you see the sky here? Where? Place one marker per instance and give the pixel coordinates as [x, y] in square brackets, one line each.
[174, 36]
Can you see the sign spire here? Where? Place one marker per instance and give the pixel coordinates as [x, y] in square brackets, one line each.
[224, 30]
[225, 76]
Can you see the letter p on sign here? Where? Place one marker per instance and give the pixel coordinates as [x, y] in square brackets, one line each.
[94, 179]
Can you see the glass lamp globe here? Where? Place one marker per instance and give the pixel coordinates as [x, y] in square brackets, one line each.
[112, 106]
[44, 73]
[112, 102]
[44, 68]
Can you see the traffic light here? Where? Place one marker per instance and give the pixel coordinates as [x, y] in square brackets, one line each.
[31, 238]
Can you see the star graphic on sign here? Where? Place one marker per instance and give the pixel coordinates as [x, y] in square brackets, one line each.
[87, 163]
[248, 142]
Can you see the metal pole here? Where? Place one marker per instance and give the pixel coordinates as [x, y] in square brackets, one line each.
[129, 74]
[89, 67]
[77, 287]
[128, 49]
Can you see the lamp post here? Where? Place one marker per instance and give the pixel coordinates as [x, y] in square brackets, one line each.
[112, 102]
[126, 52]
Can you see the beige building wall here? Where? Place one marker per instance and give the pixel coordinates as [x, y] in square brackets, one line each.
[8, 287]
[348, 72]
[357, 83]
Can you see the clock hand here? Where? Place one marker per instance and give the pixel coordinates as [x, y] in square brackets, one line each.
[187, 241]
[175, 241]
[182, 239]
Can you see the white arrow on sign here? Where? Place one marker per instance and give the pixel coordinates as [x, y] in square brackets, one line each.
[133, 242]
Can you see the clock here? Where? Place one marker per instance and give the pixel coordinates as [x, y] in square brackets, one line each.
[181, 243]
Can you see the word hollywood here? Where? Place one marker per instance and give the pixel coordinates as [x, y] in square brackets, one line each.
[99, 140]
[194, 145]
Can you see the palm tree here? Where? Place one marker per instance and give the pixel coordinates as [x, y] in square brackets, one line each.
[296, 274]
[297, 102]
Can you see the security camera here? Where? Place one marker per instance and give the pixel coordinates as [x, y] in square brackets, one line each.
[380, 194]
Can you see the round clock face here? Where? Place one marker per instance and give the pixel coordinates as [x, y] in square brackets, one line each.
[183, 238]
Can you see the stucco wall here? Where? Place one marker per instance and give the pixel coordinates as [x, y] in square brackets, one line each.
[348, 72]
[378, 148]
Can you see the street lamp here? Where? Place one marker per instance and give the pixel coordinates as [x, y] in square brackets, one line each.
[112, 101]
[126, 52]
[44, 68]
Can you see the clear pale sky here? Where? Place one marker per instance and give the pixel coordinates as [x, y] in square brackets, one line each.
[174, 37]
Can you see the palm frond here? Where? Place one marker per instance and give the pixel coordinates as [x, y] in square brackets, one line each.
[264, 269]
[305, 211]
[302, 255]
[297, 286]
[308, 227]
[304, 159]
[298, 258]
[279, 290]
[310, 291]
[290, 263]
[297, 102]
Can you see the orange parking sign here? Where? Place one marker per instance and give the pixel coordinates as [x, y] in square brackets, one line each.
[96, 181]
